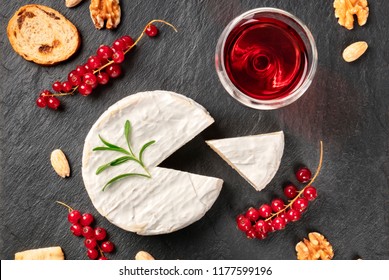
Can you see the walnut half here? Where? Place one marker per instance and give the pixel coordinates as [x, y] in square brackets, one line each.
[316, 248]
[108, 11]
[346, 9]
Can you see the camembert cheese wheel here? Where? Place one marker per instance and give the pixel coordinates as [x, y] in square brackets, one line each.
[170, 199]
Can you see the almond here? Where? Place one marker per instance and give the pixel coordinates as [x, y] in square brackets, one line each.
[354, 51]
[143, 256]
[72, 3]
[60, 163]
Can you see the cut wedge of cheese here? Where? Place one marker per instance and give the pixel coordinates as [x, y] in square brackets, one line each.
[170, 199]
[256, 158]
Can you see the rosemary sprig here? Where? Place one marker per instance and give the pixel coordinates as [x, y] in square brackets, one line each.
[117, 178]
[129, 156]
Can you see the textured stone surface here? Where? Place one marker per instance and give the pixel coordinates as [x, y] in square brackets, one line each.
[346, 107]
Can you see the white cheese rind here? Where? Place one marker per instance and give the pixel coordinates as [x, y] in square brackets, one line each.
[171, 199]
[256, 158]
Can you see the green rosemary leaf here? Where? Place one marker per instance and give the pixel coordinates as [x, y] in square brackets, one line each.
[117, 178]
[118, 149]
[114, 163]
[127, 133]
[106, 143]
[112, 146]
[144, 148]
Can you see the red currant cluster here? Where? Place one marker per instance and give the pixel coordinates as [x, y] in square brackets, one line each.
[257, 223]
[98, 70]
[95, 238]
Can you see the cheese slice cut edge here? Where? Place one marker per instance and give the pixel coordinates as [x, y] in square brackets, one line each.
[256, 157]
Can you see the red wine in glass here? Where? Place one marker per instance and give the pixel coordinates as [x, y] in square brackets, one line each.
[265, 58]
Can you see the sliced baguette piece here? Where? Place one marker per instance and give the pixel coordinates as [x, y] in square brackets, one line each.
[42, 35]
[256, 157]
[49, 253]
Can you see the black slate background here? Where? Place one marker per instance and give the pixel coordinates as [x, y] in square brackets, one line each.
[346, 107]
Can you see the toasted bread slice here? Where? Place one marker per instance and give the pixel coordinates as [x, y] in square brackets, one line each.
[42, 35]
[49, 253]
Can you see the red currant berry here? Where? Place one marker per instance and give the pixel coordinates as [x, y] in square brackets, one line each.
[261, 235]
[300, 204]
[74, 216]
[151, 30]
[239, 218]
[86, 219]
[45, 94]
[53, 102]
[278, 223]
[90, 243]
[265, 210]
[88, 232]
[293, 215]
[67, 86]
[251, 234]
[80, 70]
[107, 246]
[41, 102]
[303, 175]
[103, 258]
[74, 78]
[310, 193]
[94, 62]
[290, 191]
[93, 254]
[277, 204]
[252, 214]
[114, 70]
[261, 226]
[119, 45]
[102, 78]
[104, 52]
[118, 56]
[76, 229]
[87, 68]
[90, 79]
[283, 216]
[57, 86]
[244, 224]
[127, 40]
[100, 233]
[270, 226]
[85, 89]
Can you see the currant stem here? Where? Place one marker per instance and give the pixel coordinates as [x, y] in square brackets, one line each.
[144, 30]
[302, 191]
[100, 251]
[63, 93]
[104, 66]
[64, 204]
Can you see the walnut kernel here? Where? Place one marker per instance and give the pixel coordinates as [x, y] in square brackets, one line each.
[316, 248]
[346, 9]
[105, 10]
